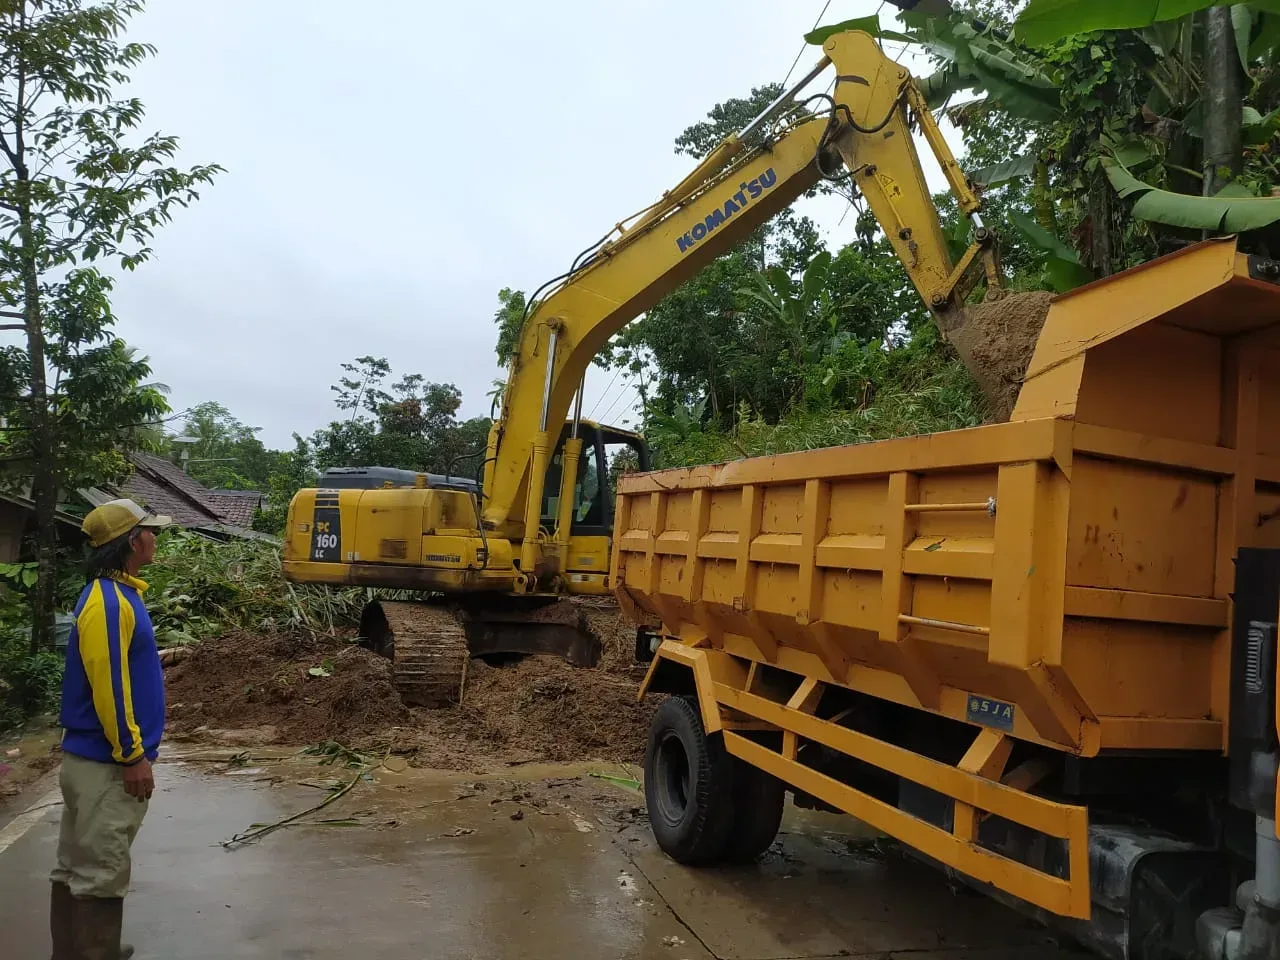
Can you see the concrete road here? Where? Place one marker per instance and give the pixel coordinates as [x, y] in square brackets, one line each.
[460, 866]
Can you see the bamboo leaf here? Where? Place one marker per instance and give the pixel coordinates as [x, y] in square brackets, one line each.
[1001, 173]
[1223, 214]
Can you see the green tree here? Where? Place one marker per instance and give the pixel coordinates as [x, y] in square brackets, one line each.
[294, 469]
[512, 309]
[413, 425]
[227, 453]
[74, 191]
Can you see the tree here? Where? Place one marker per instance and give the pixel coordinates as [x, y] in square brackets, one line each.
[294, 470]
[413, 426]
[512, 309]
[227, 453]
[73, 193]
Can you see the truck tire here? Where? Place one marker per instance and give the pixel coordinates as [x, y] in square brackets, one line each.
[757, 800]
[688, 783]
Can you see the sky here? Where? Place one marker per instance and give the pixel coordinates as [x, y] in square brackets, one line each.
[388, 171]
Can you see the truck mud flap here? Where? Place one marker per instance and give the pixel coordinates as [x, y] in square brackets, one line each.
[721, 684]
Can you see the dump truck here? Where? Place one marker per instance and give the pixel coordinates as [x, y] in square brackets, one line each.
[1040, 654]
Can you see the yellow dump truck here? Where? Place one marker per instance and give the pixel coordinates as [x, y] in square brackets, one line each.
[1040, 653]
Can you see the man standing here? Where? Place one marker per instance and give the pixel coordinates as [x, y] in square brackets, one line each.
[112, 719]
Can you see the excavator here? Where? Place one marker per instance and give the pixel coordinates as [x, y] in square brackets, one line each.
[497, 555]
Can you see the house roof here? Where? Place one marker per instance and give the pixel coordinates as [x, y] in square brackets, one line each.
[236, 507]
[26, 503]
[163, 488]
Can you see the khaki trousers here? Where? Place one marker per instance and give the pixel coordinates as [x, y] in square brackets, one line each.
[99, 822]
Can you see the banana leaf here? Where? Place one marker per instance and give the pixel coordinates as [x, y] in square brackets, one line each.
[1222, 214]
[1242, 26]
[1045, 21]
[1000, 173]
[1062, 263]
[869, 25]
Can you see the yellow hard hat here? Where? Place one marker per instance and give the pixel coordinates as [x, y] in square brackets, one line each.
[115, 518]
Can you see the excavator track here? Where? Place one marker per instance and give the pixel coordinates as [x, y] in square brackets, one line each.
[428, 647]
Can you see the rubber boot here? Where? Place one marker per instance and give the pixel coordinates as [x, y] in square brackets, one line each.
[96, 925]
[60, 907]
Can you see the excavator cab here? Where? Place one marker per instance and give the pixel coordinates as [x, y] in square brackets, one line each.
[606, 454]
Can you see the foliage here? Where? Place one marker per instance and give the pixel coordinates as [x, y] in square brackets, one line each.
[916, 388]
[1125, 101]
[201, 588]
[412, 425]
[512, 309]
[227, 454]
[1046, 21]
[30, 683]
[78, 185]
[294, 470]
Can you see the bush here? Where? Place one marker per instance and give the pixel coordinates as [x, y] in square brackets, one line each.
[30, 684]
[202, 587]
[861, 394]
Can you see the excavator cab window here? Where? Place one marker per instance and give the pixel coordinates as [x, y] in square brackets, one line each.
[606, 455]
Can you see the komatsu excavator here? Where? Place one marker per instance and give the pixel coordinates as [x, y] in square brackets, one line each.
[498, 554]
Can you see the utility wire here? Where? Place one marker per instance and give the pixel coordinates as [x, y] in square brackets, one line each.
[800, 54]
[592, 412]
[621, 394]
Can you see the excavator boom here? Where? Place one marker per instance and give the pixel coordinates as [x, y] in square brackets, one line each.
[864, 130]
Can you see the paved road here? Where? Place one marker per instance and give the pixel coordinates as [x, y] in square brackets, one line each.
[448, 867]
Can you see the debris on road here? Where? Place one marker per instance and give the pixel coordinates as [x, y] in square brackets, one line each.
[531, 710]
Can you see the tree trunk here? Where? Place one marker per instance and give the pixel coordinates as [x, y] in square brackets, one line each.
[1101, 248]
[1043, 208]
[1223, 96]
[44, 486]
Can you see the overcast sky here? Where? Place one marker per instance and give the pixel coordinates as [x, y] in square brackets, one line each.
[388, 171]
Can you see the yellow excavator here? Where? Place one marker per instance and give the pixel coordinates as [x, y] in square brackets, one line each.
[497, 554]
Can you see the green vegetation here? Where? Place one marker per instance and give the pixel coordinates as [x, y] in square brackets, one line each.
[202, 588]
[80, 185]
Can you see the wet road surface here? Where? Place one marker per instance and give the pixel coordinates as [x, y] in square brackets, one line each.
[465, 866]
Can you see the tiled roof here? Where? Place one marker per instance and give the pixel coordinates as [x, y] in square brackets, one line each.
[163, 488]
[236, 507]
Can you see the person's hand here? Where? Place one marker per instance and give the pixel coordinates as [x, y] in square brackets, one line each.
[139, 781]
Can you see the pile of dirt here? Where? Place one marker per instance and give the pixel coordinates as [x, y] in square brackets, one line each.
[995, 340]
[539, 708]
[306, 690]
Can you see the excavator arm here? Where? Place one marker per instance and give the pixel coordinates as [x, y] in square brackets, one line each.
[862, 128]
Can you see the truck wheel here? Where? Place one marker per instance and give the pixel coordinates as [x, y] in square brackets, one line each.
[688, 779]
[757, 814]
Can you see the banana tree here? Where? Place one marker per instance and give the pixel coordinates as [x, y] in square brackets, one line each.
[1130, 97]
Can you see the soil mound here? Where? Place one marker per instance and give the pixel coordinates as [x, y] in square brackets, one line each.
[995, 340]
[307, 690]
[537, 708]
